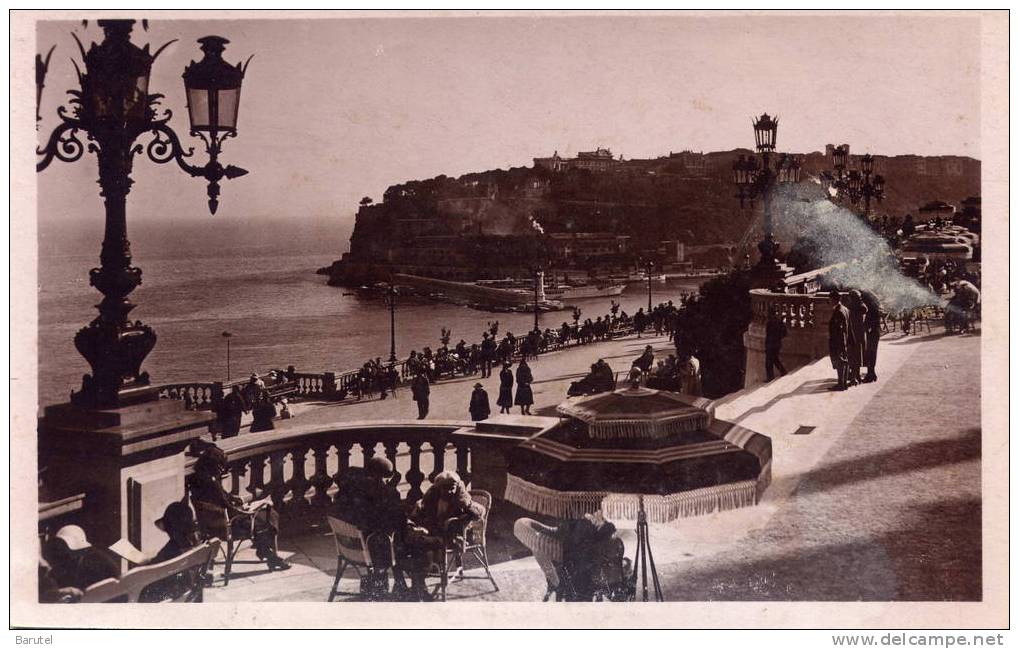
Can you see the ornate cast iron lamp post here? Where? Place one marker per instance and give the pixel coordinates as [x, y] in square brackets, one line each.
[855, 184]
[113, 108]
[757, 176]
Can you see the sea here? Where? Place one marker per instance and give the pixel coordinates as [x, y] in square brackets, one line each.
[277, 310]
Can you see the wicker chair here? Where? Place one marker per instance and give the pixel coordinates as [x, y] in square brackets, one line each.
[214, 522]
[352, 551]
[476, 537]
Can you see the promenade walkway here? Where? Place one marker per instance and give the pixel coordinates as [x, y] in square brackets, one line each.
[875, 494]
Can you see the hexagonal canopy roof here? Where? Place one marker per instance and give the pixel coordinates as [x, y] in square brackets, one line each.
[639, 413]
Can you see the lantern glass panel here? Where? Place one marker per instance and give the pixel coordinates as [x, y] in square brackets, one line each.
[198, 108]
[229, 101]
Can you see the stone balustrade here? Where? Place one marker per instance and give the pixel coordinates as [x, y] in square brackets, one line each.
[806, 319]
[196, 396]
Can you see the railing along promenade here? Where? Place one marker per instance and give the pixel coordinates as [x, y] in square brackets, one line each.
[805, 314]
[300, 468]
[329, 386]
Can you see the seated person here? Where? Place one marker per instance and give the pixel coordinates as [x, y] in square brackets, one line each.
[74, 562]
[261, 524]
[445, 512]
[593, 562]
[367, 502]
[599, 379]
[178, 522]
[645, 360]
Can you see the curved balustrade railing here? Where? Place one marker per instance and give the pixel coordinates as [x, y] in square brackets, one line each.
[301, 467]
[806, 319]
[196, 396]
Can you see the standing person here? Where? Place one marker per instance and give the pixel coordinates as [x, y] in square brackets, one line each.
[857, 337]
[838, 339]
[640, 322]
[420, 389]
[262, 413]
[872, 331]
[525, 397]
[479, 408]
[234, 405]
[505, 400]
[487, 355]
[774, 332]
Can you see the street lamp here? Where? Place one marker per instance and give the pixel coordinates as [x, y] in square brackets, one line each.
[113, 108]
[856, 184]
[539, 280]
[391, 298]
[755, 178]
[227, 335]
[650, 264]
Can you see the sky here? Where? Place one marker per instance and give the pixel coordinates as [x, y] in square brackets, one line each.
[336, 109]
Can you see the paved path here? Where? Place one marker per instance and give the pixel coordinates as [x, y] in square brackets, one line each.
[879, 500]
[553, 373]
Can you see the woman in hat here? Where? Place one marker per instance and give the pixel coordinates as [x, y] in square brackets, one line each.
[505, 400]
[76, 563]
[479, 408]
[525, 397]
[261, 525]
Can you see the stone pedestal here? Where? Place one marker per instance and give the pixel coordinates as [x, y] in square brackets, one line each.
[769, 274]
[129, 462]
[491, 441]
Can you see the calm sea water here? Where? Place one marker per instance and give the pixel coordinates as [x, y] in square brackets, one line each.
[279, 312]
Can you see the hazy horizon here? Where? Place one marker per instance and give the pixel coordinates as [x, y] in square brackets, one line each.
[336, 109]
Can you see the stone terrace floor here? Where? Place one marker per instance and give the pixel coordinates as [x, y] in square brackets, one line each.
[880, 500]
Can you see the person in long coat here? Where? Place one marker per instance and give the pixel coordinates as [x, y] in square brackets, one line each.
[525, 397]
[857, 336]
[838, 339]
[872, 327]
[263, 411]
[234, 405]
[420, 390]
[505, 400]
[479, 408]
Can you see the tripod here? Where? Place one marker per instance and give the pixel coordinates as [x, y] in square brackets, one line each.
[643, 558]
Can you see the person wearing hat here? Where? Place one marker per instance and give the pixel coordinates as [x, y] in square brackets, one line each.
[505, 400]
[76, 563]
[368, 501]
[479, 408]
[839, 339]
[857, 336]
[261, 525]
[420, 390]
[525, 397]
[230, 410]
[285, 410]
[178, 522]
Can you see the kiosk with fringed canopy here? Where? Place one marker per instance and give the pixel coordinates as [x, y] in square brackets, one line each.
[612, 448]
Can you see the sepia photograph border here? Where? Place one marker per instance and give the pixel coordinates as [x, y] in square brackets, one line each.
[26, 612]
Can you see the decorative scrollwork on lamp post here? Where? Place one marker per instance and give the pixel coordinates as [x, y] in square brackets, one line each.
[113, 108]
[852, 184]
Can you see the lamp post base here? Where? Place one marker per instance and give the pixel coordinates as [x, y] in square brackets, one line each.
[769, 274]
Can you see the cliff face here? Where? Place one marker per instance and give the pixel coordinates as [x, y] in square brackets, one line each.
[495, 223]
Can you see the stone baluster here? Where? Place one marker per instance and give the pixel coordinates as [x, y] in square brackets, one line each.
[237, 472]
[256, 481]
[277, 487]
[342, 459]
[298, 483]
[462, 458]
[320, 479]
[438, 456]
[414, 474]
[367, 451]
[391, 448]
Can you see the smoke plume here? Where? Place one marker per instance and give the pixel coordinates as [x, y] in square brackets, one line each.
[835, 234]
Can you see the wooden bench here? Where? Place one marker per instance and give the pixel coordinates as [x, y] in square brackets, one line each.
[129, 587]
